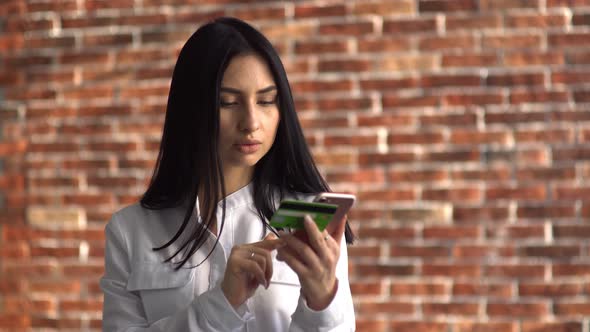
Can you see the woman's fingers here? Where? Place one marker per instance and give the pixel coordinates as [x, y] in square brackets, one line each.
[316, 238]
[303, 252]
[253, 267]
[288, 256]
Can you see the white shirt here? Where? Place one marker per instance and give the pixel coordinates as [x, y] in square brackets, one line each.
[141, 293]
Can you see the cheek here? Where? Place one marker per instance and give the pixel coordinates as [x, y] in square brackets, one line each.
[273, 122]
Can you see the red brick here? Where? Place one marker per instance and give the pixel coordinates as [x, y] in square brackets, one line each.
[387, 44]
[570, 270]
[528, 79]
[425, 6]
[371, 324]
[359, 250]
[413, 289]
[450, 232]
[323, 122]
[543, 211]
[64, 42]
[521, 193]
[548, 135]
[539, 96]
[498, 173]
[55, 287]
[312, 10]
[387, 195]
[528, 58]
[572, 308]
[321, 85]
[520, 310]
[366, 288]
[422, 251]
[394, 101]
[389, 307]
[455, 194]
[15, 321]
[478, 137]
[550, 290]
[451, 270]
[509, 4]
[534, 326]
[515, 271]
[491, 290]
[366, 232]
[463, 119]
[251, 13]
[347, 29]
[386, 158]
[360, 176]
[321, 47]
[459, 155]
[460, 80]
[458, 42]
[469, 214]
[402, 26]
[344, 65]
[384, 8]
[473, 22]
[92, 5]
[550, 251]
[424, 137]
[470, 59]
[450, 309]
[536, 21]
[526, 232]
[382, 270]
[571, 231]
[413, 326]
[571, 39]
[417, 176]
[486, 327]
[508, 41]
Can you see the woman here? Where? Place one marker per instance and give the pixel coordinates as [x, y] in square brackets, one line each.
[197, 253]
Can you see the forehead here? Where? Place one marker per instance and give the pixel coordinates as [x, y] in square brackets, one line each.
[247, 72]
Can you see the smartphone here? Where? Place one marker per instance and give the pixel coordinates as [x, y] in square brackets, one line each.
[324, 209]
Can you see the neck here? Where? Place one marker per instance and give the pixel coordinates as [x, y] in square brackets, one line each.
[236, 178]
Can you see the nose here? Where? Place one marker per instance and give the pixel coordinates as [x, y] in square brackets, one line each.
[249, 121]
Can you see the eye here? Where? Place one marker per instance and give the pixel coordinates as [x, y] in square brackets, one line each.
[268, 101]
[223, 103]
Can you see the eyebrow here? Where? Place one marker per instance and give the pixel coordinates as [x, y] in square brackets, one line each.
[261, 91]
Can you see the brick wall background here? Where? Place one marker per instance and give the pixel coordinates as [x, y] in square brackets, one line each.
[463, 127]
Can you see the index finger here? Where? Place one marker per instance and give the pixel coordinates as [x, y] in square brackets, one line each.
[314, 235]
[270, 244]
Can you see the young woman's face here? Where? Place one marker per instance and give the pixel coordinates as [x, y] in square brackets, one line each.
[248, 113]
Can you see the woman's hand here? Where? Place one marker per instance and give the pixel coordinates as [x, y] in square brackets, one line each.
[314, 262]
[248, 266]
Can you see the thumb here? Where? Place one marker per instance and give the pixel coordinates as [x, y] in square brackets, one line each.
[270, 236]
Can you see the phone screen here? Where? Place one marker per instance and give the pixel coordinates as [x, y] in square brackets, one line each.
[290, 214]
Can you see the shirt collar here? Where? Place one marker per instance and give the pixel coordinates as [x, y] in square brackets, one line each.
[240, 197]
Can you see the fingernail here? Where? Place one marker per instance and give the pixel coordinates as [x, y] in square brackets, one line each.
[308, 219]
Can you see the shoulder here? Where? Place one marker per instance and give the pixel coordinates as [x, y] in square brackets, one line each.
[142, 229]
[137, 216]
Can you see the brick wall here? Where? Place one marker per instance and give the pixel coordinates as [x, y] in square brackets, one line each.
[463, 127]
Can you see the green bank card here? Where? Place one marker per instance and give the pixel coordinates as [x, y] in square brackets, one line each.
[290, 214]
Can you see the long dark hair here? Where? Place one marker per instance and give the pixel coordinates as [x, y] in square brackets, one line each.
[188, 161]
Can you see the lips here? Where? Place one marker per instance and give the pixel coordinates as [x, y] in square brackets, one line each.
[248, 146]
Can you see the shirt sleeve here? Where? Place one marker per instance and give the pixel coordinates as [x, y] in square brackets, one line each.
[339, 315]
[123, 309]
